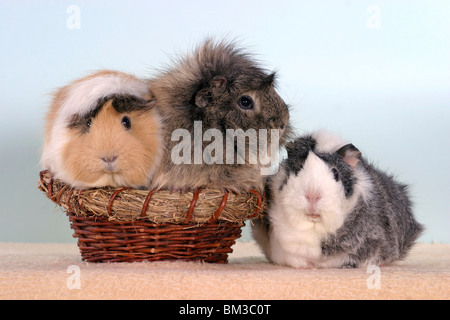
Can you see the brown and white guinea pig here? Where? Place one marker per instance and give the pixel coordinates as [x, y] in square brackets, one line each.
[209, 99]
[103, 130]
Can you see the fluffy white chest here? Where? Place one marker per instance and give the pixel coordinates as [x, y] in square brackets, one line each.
[295, 235]
[295, 246]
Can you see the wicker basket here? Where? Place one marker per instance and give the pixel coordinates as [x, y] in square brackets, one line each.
[127, 225]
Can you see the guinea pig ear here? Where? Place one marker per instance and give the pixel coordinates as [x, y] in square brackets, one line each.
[350, 154]
[217, 86]
[151, 103]
[268, 81]
[149, 95]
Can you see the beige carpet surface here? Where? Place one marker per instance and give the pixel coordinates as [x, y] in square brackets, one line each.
[55, 271]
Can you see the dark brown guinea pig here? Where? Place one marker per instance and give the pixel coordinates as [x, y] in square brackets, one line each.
[223, 120]
[103, 131]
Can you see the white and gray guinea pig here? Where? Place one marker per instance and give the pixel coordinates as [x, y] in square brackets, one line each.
[328, 207]
[103, 130]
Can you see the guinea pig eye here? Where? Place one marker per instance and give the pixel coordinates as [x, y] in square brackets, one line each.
[126, 122]
[89, 123]
[246, 102]
[335, 174]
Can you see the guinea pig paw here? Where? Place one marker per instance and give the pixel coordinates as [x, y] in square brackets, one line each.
[233, 190]
[349, 266]
[305, 268]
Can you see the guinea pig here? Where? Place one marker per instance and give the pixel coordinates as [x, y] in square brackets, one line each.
[328, 207]
[103, 130]
[223, 120]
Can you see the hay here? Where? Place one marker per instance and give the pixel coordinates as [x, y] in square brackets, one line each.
[160, 206]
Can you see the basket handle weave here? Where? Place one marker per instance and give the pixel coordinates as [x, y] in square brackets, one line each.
[113, 196]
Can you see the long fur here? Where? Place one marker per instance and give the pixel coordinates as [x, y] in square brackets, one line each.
[205, 86]
[363, 218]
[64, 141]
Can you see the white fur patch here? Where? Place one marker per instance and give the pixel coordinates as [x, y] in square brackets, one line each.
[363, 186]
[328, 142]
[83, 96]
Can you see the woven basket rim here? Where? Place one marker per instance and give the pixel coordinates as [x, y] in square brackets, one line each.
[157, 206]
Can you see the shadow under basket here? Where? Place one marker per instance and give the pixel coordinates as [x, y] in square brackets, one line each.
[128, 225]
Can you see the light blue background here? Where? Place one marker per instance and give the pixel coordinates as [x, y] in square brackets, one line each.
[377, 72]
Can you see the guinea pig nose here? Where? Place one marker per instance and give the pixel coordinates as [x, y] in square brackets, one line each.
[313, 196]
[109, 159]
